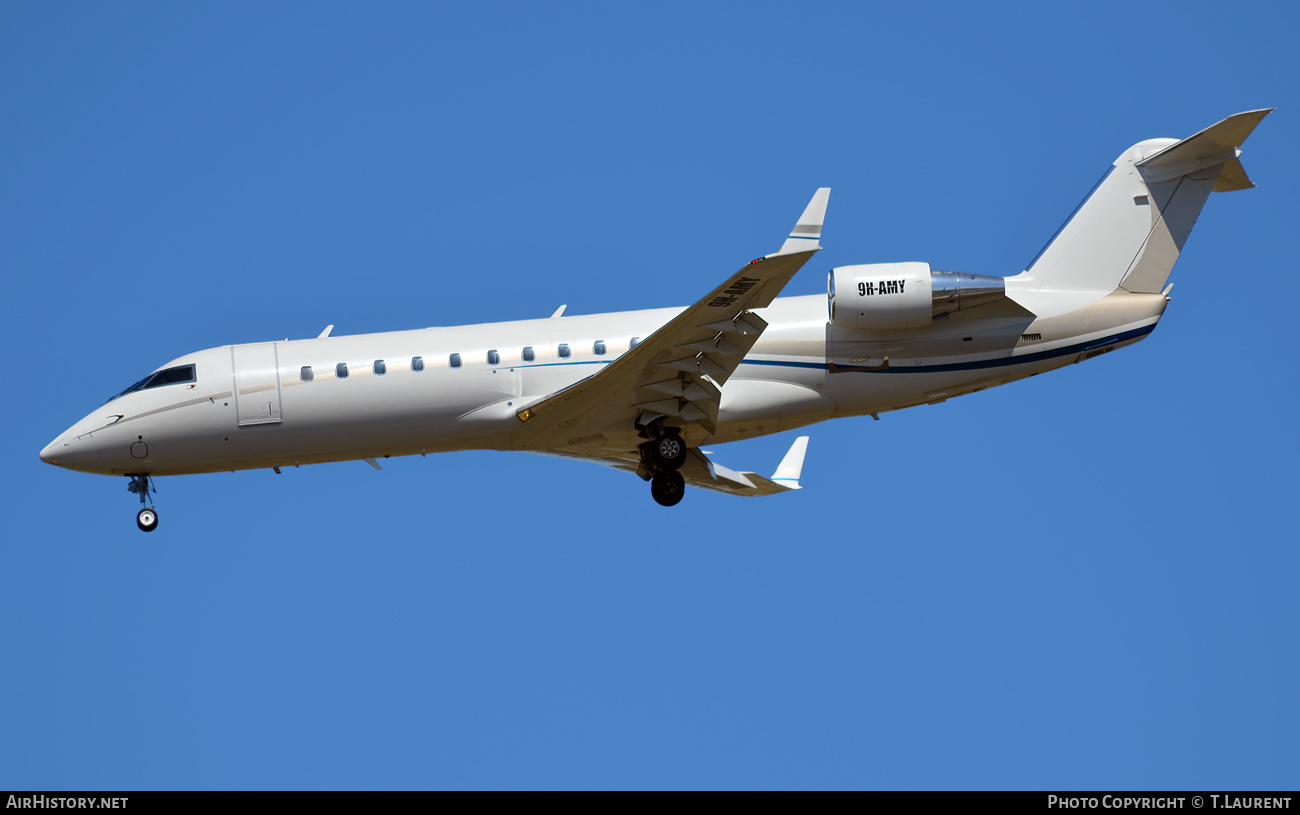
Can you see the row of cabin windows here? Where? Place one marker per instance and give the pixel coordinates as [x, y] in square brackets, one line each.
[493, 358]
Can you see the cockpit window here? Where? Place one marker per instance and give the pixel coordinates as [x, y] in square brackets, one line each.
[168, 376]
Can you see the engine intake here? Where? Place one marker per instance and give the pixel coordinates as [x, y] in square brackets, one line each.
[895, 296]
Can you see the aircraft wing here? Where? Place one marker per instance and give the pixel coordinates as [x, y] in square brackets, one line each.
[702, 471]
[678, 371]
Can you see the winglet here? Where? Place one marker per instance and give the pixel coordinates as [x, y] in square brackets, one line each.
[787, 474]
[807, 233]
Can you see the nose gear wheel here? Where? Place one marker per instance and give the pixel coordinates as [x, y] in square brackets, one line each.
[147, 517]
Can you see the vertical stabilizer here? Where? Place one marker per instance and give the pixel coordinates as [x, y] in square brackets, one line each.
[1184, 174]
[1130, 229]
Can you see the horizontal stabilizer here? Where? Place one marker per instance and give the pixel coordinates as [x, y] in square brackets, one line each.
[1216, 144]
[1233, 177]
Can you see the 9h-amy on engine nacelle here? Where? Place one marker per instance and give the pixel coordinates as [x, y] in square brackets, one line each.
[895, 296]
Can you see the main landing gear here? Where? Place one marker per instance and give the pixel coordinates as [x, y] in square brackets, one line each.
[661, 457]
[147, 517]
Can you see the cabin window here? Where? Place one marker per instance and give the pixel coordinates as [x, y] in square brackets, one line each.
[599, 348]
[529, 356]
[634, 343]
[417, 363]
[565, 353]
[380, 367]
[305, 374]
[455, 360]
[493, 357]
[341, 370]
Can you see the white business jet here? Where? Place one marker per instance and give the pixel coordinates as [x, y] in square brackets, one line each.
[644, 390]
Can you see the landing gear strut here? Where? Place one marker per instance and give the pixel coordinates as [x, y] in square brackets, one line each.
[147, 517]
[661, 457]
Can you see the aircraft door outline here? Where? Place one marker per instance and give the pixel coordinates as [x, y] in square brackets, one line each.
[257, 383]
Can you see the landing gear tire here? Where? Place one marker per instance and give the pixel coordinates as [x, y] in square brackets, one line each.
[147, 520]
[669, 452]
[668, 488]
[664, 453]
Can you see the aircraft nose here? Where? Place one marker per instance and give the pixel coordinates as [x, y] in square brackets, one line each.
[84, 447]
[50, 455]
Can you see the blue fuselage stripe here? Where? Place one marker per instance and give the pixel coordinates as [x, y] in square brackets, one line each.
[998, 362]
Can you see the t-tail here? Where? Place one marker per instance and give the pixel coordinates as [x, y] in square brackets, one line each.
[1129, 230]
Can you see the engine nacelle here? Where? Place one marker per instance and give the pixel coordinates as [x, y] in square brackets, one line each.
[881, 296]
[895, 296]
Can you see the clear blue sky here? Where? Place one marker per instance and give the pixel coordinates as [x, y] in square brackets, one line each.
[1085, 580]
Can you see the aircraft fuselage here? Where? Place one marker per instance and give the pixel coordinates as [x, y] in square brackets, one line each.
[285, 404]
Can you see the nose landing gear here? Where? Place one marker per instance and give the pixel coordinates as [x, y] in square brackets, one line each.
[147, 517]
